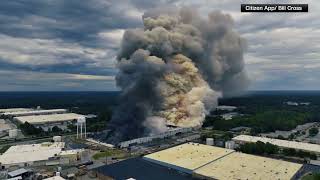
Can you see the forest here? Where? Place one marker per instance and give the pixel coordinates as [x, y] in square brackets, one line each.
[268, 111]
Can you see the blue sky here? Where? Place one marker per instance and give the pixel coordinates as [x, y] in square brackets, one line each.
[68, 45]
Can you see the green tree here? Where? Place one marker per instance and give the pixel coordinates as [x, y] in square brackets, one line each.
[56, 129]
[289, 152]
[313, 132]
[259, 148]
[29, 129]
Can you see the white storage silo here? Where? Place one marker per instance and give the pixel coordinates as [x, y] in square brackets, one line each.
[81, 122]
[57, 138]
[230, 145]
[210, 141]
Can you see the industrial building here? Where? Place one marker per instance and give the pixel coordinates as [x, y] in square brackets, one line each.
[48, 121]
[14, 110]
[226, 108]
[137, 168]
[34, 112]
[229, 116]
[142, 140]
[209, 162]
[52, 118]
[38, 155]
[187, 157]
[307, 147]
[244, 166]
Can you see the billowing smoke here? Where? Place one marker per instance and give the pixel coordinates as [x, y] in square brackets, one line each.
[173, 71]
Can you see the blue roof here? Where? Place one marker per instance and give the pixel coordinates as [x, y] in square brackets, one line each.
[140, 169]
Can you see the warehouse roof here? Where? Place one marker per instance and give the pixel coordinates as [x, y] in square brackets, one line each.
[140, 169]
[31, 152]
[28, 112]
[281, 143]
[14, 110]
[189, 156]
[244, 166]
[17, 172]
[223, 107]
[40, 119]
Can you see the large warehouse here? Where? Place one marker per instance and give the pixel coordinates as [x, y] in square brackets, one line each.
[137, 168]
[209, 162]
[314, 148]
[37, 155]
[35, 112]
[170, 132]
[244, 166]
[187, 157]
[14, 110]
[48, 121]
[52, 118]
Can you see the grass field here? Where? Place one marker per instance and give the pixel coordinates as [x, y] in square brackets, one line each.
[107, 153]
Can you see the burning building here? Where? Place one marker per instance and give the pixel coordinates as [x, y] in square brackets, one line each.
[173, 70]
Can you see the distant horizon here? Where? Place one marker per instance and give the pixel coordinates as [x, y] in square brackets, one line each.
[259, 90]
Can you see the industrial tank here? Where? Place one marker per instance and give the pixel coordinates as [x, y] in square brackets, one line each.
[57, 138]
[210, 141]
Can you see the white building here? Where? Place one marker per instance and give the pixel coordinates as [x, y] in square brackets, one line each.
[14, 110]
[35, 112]
[307, 147]
[37, 155]
[210, 162]
[45, 119]
[49, 121]
[290, 103]
[163, 135]
[229, 116]
[226, 108]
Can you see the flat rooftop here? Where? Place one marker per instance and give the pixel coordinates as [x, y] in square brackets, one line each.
[223, 107]
[14, 110]
[244, 166]
[281, 143]
[31, 152]
[41, 119]
[140, 169]
[32, 112]
[188, 156]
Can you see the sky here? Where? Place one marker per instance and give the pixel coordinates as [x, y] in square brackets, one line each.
[71, 45]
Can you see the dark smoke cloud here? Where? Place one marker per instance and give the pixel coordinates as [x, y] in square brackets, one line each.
[174, 70]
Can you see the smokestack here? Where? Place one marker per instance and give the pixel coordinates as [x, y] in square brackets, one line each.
[173, 71]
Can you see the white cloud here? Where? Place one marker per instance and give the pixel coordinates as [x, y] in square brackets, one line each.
[113, 36]
[46, 52]
[37, 81]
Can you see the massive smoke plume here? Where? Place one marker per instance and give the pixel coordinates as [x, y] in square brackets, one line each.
[173, 71]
